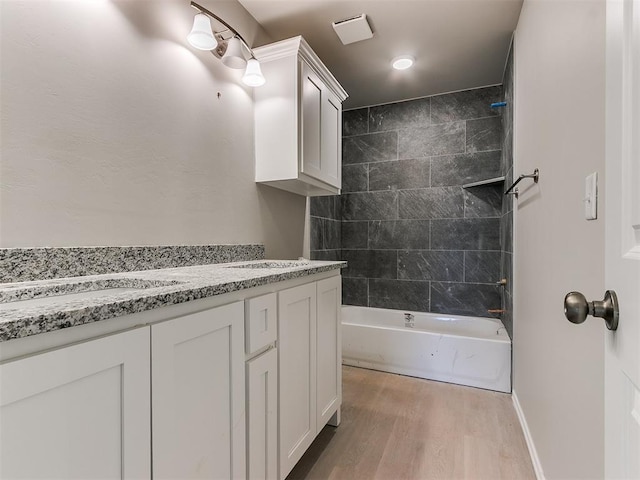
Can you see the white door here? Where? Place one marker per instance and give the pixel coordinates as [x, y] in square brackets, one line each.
[311, 91]
[296, 373]
[262, 417]
[622, 358]
[329, 350]
[78, 412]
[331, 140]
[197, 382]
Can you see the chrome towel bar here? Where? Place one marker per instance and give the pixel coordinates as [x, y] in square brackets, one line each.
[535, 175]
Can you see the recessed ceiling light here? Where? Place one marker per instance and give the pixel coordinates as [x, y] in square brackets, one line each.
[402, 62]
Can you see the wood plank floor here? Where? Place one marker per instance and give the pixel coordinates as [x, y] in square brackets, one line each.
[395, 427]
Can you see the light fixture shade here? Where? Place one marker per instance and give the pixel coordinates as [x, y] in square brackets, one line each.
[253, 75]
[403, 62]
[233, 57]
[201, 36]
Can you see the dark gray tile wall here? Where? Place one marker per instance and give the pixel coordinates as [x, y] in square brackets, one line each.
[415, 239]
[506, 219]
[326, 228]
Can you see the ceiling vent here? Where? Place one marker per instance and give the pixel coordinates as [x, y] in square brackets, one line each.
[353, 29]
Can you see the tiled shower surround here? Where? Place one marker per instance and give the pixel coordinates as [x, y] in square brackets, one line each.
[506, 221]
[415, 239]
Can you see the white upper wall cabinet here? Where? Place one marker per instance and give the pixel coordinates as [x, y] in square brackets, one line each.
[298, 120]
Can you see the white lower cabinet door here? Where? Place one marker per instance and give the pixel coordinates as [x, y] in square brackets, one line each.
[199, 396]
[81, 411]
[329, 349]
[262, 417]
[297, 377]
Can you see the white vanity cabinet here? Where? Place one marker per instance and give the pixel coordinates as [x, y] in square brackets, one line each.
[227, 387]
[309, 365]
[298, 120]
[198, 395]
[81, 411]
[88, 410]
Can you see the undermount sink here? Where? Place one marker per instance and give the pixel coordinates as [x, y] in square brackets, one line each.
[273, 264]
[21, 297]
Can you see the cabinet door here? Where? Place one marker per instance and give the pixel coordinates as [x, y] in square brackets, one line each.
[198, 395]
[311, 91]
[321, 129]
[330, 145]
[78, 412]
[296, 370]
[262, 417]
[329, 378]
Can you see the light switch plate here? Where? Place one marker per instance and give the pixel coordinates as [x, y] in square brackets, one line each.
[591, 196]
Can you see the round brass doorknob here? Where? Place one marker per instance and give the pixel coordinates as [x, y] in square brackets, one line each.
[576, 308]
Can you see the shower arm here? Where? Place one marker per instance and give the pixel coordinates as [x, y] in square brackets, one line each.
[535, 175]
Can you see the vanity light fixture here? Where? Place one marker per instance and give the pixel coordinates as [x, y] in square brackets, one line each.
[233, 57]
[403, 62]
[227, 45]
[253, 74]
[201, 36]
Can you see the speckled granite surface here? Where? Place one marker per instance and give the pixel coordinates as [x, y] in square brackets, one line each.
[30, 308]
[25, 264]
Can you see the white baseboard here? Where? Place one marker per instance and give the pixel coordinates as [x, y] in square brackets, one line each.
[537, 466]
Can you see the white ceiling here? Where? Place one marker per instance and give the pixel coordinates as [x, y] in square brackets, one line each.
[458, 44]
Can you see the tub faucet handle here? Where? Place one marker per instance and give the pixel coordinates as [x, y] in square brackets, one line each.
[576, 308]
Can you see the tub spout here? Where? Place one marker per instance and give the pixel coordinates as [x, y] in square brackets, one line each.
[409, 320]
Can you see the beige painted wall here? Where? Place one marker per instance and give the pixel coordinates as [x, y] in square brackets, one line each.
[559, 128]
[112, 131]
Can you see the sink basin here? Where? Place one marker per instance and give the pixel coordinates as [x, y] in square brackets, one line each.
[21, 296]
[273, 264]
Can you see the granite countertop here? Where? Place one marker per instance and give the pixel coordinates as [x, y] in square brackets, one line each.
[34, 307]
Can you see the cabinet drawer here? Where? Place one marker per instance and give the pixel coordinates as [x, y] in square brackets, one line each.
[260, 317]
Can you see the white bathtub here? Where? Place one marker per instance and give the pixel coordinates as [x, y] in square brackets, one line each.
[450, 348]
